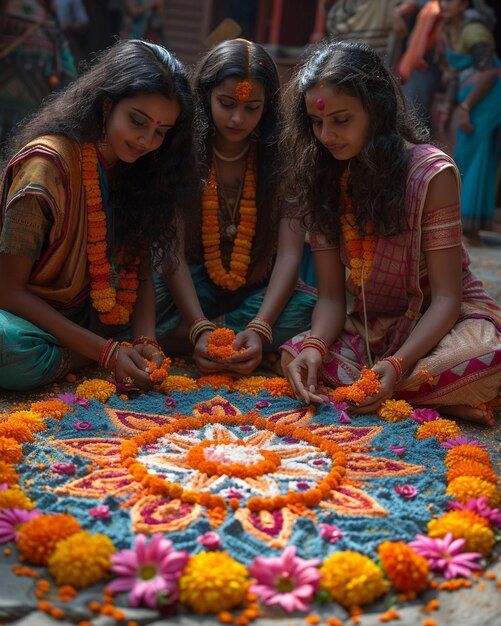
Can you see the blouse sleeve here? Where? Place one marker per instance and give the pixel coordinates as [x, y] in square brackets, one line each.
[27, 222]
[441, 228]
[320, 242]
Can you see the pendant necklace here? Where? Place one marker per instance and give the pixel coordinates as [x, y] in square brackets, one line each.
[232, 209]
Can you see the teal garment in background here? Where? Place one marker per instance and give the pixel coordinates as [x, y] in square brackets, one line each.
[477, 154]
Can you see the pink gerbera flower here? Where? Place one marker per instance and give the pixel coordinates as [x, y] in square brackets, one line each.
[445, 556]
[425, 415]
[12, 520]
[287, 580]
[480, 507]
[462, 441]
[150, 572]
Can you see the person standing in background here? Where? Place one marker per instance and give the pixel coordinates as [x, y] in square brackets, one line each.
[74, 22]
[35, 59]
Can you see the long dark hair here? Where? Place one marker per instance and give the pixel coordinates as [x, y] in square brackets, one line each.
[158, 190]
[378, 173]
[238, 58]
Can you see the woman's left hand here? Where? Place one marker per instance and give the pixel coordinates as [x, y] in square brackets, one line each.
[149, 353]
[387, 379]
[245, 362]
[464, 121]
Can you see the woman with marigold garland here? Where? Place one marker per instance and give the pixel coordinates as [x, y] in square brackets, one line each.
[241, 234]
[98, 179]
[383, 205]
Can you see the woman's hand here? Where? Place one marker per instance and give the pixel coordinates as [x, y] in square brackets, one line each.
[245, 362]
[388, 379]
[303, 374]
[150, 353]
[130, 364]
[202, 360]
[464, 121]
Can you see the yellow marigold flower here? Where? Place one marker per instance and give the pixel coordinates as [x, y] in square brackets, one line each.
[96, 388]
[30, 419]
[51, 408]
[464, 525]
[10, 450]
[15, 499]
[351, 578]
[8, 474]
[213, 582]
[465, 487]
[250, 384]
[16, 430]
[467, 452]
[442, 429]
[39, 537]
[472, 468]
[278, 387]
[406, 570]
[395, 410]
[216, 381]
[81, 559]
[177, 383]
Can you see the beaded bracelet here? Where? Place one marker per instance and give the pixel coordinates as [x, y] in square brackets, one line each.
[262, 327]
[317, 343]
[396, 363]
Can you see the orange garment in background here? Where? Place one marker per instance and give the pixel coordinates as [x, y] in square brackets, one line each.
[422, 38]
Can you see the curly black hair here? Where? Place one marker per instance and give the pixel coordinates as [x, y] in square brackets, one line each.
[379, 172]
[239, 58]
[157, 192]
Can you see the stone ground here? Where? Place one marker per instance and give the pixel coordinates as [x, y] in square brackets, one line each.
[477, 606]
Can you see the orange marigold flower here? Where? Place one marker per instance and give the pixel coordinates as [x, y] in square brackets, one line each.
[472, 468]
[220, 344]
[39, 537]
[395, 410]
[10, 450]
[8, 474]
[406, 570]
[15, 499]
[467, 525]
[81, 559]
[16, 430]
[465, 487]
[216, 381]
[278, 387]
[31, 420]
[96, 389]
[250, 384]
[442, 429]
[51, 408]
[467, 452]
[178, 383]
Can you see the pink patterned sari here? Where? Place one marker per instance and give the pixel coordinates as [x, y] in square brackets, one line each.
[465, 366]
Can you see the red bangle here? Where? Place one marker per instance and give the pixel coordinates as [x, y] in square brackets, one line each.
[315, 347]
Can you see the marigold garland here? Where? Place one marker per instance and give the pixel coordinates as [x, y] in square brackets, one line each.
[352, 579]
[463, 488]
[406, 570]
[97, 389]
[361, 249]
[367, 385]
[38, 537]
[213, 582]
[113, 306]
[395, 410]
[240, 258]
[466, 525]
[81, 559]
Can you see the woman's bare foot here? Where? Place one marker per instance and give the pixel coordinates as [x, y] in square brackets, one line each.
[481, 414]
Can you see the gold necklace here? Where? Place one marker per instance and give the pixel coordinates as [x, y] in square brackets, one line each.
[239, 156]
[232, 210]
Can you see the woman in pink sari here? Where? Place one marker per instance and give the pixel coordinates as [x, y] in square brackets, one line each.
[382, 207]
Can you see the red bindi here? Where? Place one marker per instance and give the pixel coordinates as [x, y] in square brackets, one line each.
[320, 104]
